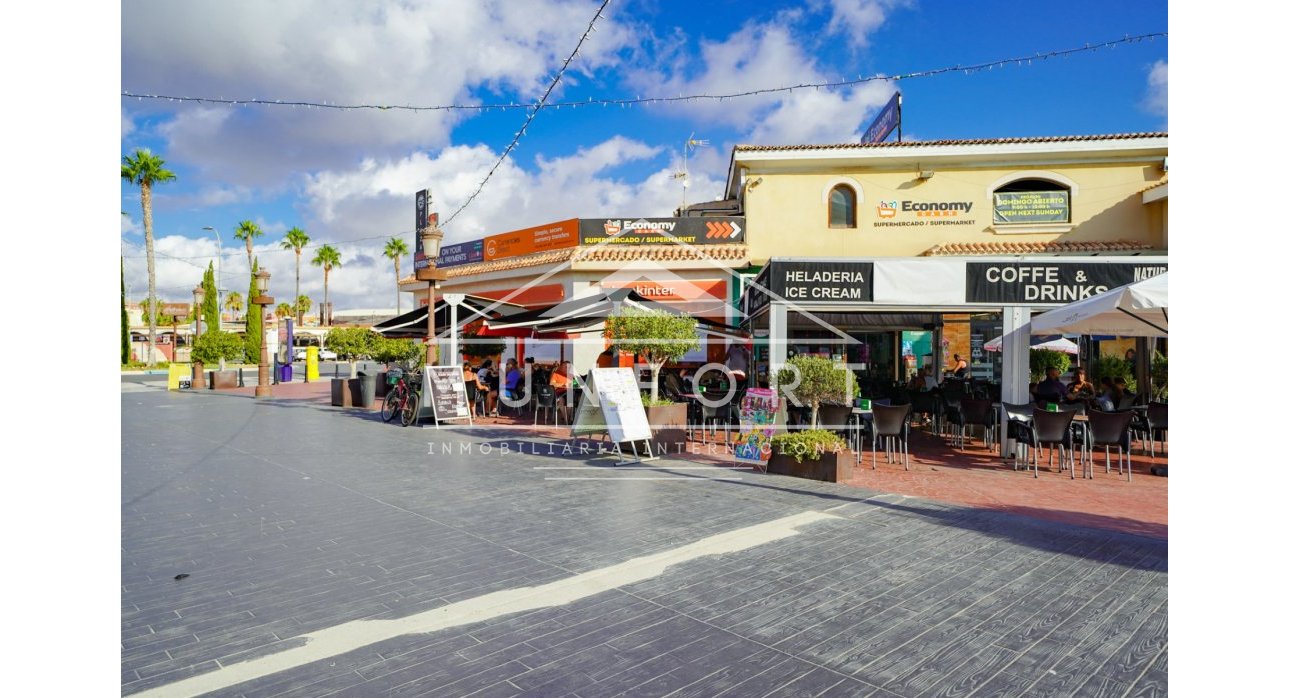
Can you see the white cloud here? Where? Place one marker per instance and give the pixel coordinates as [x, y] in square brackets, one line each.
[857, 19]
[1157, 100]
[427, 53]
[127, 124]
[762, 55]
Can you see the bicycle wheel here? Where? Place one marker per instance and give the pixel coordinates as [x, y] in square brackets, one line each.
[393, 402]
[410, 409]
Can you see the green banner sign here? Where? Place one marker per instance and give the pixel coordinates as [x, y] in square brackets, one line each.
[1032, 207]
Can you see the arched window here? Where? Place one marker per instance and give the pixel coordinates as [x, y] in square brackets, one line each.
[842, 207]
[1032, 201]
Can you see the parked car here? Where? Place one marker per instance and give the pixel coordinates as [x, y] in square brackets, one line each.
[323, 354]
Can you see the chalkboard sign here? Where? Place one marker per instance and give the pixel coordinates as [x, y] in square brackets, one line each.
[620, 401]
[444, 390]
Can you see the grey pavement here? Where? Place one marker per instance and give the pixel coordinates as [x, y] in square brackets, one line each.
[292, 519]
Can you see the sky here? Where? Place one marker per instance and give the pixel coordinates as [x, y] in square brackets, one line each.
[348, 177]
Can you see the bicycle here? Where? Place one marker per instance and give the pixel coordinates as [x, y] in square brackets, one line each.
[401, 399]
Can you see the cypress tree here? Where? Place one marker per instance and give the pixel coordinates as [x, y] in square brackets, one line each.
[210, 302]
[254, 328]
[125, 320]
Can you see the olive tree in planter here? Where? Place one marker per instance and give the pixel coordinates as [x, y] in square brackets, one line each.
[818, 380]
[214, 347]
[814, 454]
[350, 344]
[389, 351]
[658, 337]
[475, 348]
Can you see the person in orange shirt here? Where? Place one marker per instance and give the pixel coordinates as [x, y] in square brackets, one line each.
[606, 359]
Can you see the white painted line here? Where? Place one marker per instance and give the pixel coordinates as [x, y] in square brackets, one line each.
[640, 467]
[348, 637]
[675, 477]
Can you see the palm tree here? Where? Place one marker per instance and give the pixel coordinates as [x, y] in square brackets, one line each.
[283, 310]
[146, 169]
[233, 303]
[296, 239]
[247, 230]
[302, 306]
[328, 258]
[394, 249]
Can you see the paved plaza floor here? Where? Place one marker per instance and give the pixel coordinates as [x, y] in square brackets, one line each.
[328, 553]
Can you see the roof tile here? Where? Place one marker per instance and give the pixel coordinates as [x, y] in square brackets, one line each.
[970, 141]
[1018, 247]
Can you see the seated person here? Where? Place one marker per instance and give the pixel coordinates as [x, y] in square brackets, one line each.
[1079, 389]
[1050, 389]
[1126, 397]
[923, 381]
[513, 378]
[1109, 399]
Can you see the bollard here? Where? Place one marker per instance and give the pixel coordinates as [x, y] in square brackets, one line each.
[240, 384]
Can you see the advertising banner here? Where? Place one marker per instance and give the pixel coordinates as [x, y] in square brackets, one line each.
[811, 282]
[756, 426]
[552, 236]
[419, 256]
[661, 231]
[1032, 207]
[461, 253]
[884, 123]
[1058, 283]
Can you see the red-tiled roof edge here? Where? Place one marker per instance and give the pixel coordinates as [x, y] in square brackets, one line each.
[969, 141]
[596, 254]
[987, 248]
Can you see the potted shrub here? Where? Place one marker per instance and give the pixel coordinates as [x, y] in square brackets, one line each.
[658, 337]
[1042, 359]
[818, 380]
[814, 454]
[214, 347]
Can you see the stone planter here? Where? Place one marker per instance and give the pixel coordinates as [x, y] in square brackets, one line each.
[222, 380]
[341, 395]
[831, 467]
[199, 376]
[362, 391]
[668, 424]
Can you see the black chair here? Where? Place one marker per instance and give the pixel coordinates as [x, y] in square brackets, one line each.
[1018, 427]
[1157, 419]
[837, 419]
[891, 426]
[545, 397]
[929, 404]
[978, 413]
[1109, 429]
[1053, 429]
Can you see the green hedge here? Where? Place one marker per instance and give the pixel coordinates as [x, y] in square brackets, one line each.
[810, 443]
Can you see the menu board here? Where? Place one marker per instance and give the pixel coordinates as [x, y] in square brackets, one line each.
[620, 403]
[756, 426]
[445, 391]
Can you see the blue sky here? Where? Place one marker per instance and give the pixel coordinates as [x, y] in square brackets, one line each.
[348, 178]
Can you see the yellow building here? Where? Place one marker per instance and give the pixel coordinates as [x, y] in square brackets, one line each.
[898, 255]
[890, 255]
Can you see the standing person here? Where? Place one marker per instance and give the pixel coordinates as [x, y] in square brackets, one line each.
[737, 362]
[960, 367]
[472, 385]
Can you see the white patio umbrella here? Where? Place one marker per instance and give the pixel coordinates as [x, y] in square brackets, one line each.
[1139, 309]
[1060, 344]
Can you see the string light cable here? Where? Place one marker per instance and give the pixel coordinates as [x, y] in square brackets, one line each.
[633, 101]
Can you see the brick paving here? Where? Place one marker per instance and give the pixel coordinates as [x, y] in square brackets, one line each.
[973, 476]
[291, 517]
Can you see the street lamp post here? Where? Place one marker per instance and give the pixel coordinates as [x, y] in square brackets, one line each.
[199, 372]
[219, 279]
[431, 237]
[262, 386]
